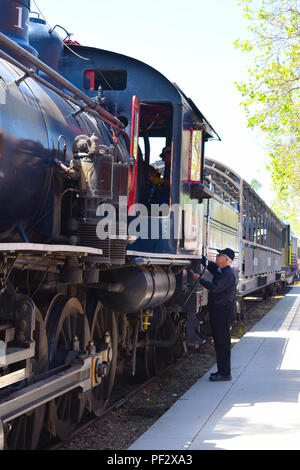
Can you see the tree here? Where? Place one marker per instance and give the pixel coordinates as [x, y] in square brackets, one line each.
[255, 184]
[271, 95]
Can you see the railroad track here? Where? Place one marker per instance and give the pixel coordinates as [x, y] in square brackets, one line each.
[116, 403]
[251, 304]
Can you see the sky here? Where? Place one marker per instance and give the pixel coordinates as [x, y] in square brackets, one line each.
[191, 43]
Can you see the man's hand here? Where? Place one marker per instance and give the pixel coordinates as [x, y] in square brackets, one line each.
[194, 275]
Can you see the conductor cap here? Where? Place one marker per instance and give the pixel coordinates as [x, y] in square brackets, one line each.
[228, 252]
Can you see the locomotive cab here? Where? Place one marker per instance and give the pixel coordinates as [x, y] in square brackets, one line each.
[158, 115]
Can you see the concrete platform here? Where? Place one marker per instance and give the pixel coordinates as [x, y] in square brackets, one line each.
[259, 409]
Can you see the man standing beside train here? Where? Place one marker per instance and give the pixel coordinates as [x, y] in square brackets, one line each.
[221, 304]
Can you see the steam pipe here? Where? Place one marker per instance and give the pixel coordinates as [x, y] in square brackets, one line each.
[41, 80]
[106, 116]
[50, 86]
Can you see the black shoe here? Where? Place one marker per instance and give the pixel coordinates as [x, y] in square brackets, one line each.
[220, 377]
[214, 373]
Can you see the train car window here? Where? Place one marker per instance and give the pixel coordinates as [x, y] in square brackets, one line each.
[156, 144]
[185, 162]
[196, 156]
[107, 79]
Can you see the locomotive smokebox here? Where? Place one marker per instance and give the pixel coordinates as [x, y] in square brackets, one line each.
[138, 288]
[14, 21]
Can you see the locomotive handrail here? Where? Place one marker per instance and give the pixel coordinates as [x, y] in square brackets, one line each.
[29, 73]
[105, 115]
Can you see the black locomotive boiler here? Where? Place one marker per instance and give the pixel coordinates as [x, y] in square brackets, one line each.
[76, 308]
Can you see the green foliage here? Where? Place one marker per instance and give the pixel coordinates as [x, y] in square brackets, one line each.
[256, 185]
[271, 95]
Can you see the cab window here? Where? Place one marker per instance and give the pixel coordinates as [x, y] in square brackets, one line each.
[107, 79]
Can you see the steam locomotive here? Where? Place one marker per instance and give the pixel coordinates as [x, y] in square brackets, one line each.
[93, 281]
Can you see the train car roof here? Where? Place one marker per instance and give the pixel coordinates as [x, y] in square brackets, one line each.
[229, 185]
[147, 83]
[196, 109]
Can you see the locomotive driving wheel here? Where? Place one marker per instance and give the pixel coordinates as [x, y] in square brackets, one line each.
[104, 335]
[153, 357]
[68, 335]
[23, 433]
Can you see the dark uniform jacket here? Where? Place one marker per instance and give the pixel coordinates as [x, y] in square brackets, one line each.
[222, 289]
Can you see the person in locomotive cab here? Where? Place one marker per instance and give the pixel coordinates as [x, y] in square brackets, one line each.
[162, 185]
[166, 157]
[221, 304]
[154, 180]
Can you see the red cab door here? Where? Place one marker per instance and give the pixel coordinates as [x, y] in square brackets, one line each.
[134, 149]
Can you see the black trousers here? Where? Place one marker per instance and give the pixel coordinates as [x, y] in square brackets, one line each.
[220, 321]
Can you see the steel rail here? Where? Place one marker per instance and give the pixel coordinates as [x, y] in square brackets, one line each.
[117, 404]
[120, 402]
